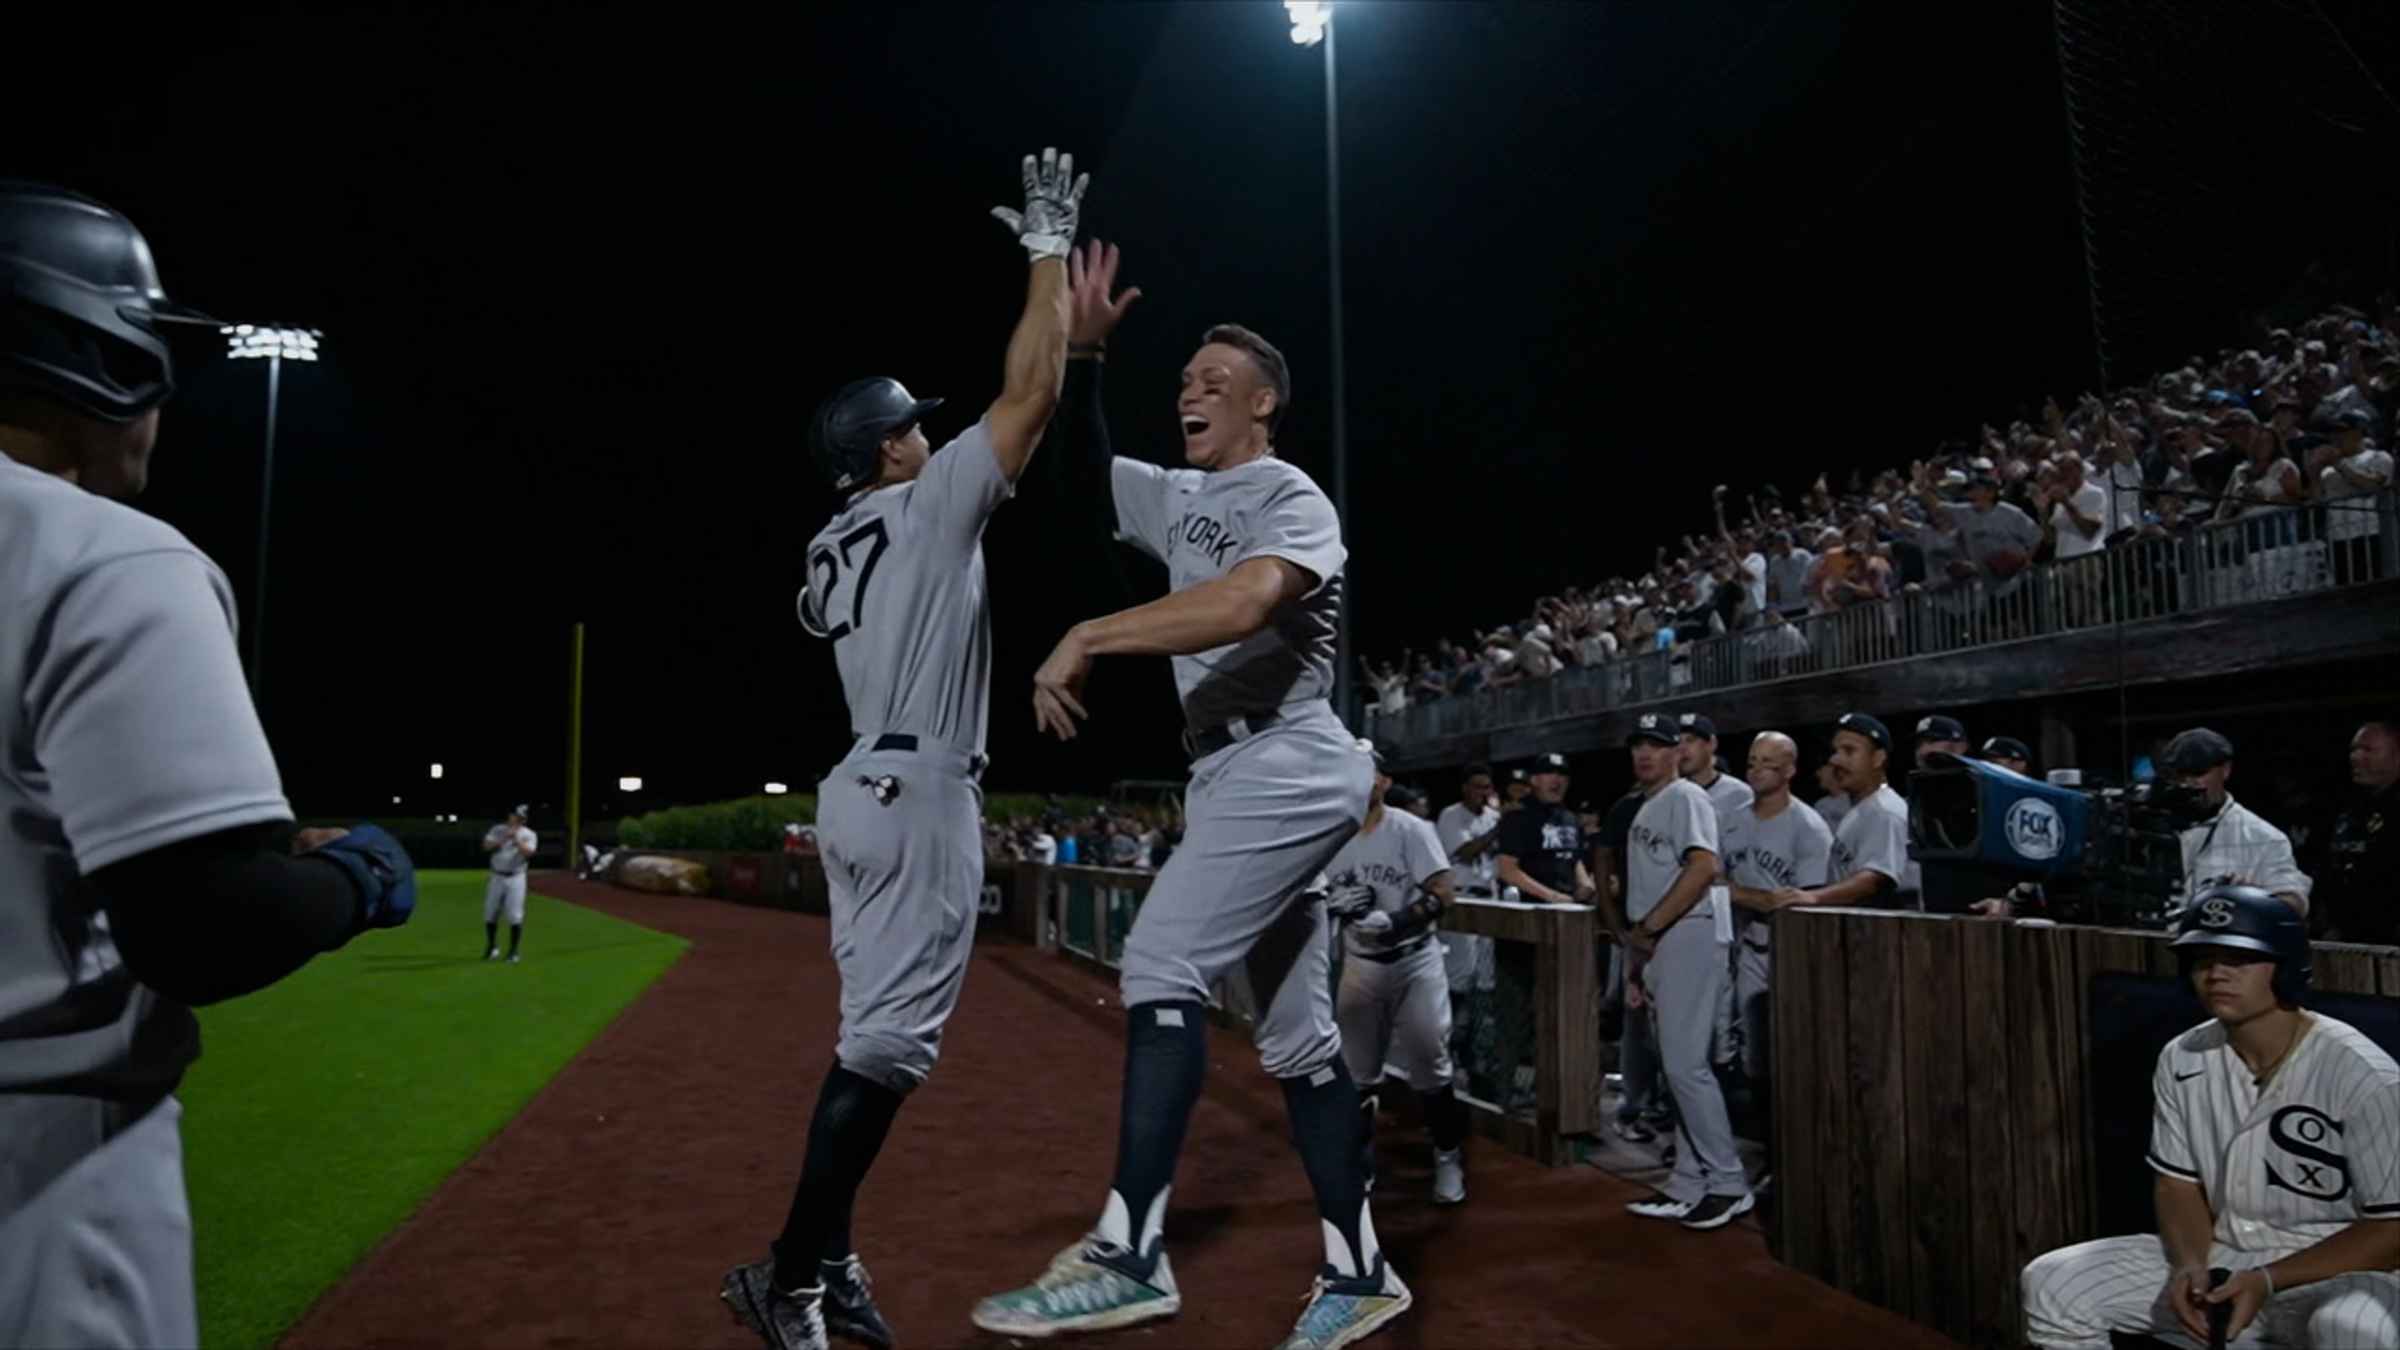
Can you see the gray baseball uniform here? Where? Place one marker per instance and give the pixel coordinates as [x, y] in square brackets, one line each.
[1265, 813]
[896, 581]
[1727, 794]
[125, 726]
[1394, 1004]
[1793, 848]
[1873, 837]
[504, 890]
[1684, 977]
[1469, 958]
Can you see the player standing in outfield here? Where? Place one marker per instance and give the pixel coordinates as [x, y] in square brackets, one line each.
[1681, 924]
[511, 846]
[149, 864]
[1870, 849]
[1254, 555]
[2276, 1140]
[1391, 883]
[896, 582]
[1772, 846]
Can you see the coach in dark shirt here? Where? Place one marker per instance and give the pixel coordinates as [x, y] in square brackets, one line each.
[1542, 845]
[2359, 894]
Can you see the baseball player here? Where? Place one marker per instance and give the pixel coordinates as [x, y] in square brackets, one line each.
[1391, 883]
[1870, 849]
[1254, 556]
[1936, 735]
[1680, 925]
[511, 846]
[1470, 834]
[1772, 846]
[149, 864]
[1697, 762]
[896, 583]
[2276, 1142]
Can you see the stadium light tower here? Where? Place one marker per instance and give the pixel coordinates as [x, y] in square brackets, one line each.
[244, 342]
[1312, 26]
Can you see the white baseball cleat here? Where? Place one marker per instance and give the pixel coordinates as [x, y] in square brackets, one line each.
[1659, 1206]
[491, 953]
[1449, 1176]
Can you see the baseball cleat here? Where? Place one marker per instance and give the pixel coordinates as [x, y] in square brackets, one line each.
[491, 953]
[850, 1310]
[784, 1319]
[1635, 1132]
[1342, 1311]
[1716, 1211]
[1660, 1206]
[1449, 1176]
[513, 958]
[1081, 1292]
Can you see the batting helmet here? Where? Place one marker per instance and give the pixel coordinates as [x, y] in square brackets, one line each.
[2248, 919]
[851, 425]
[81, 305]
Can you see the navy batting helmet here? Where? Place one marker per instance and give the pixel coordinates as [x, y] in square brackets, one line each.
[2248, 919]
[81, 307]
[851, 425]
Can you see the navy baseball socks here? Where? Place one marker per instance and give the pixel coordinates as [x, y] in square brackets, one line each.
[1445, 1118]
[1326, 1123]
[1166, 1058]
[853, 1116]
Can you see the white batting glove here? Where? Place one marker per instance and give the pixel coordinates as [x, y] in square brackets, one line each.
[1373, 923]
[1053, 202]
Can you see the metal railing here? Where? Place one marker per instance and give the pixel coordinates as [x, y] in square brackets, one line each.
[2273, 554]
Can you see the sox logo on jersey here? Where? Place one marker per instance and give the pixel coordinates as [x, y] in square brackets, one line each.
[2303, 1132]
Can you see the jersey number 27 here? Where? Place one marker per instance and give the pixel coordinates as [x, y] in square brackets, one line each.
[825, 573]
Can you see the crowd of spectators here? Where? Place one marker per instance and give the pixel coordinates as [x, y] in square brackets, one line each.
[1140, 838]
[2303, 419]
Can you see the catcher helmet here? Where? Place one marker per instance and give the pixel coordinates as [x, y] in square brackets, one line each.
[2246, 918]
[851, 425]
[81, 305]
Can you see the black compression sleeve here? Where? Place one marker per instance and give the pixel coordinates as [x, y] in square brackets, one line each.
[1417, 916]
[225, 914]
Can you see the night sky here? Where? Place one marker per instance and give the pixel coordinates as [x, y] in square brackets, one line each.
[584, 273]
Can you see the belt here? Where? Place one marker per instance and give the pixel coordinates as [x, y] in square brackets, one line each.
[907, 744]
[1201, 742]
[1386, 958]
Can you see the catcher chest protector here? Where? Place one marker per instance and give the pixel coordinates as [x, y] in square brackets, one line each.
[849, 428]
[2248, 919]
[81, 307]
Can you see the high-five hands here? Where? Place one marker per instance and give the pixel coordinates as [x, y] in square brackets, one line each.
[1053, 203]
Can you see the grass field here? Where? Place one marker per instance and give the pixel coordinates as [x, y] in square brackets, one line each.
[326, 1108]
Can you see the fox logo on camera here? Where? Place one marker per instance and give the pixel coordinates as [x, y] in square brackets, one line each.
[2034, 829]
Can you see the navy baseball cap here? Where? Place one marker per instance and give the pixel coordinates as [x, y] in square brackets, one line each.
[2006, 747]
[1657, 727]
[2197, 751]
[1550, 763]
[1868, 727]
[1938, 728]
[1697, 724]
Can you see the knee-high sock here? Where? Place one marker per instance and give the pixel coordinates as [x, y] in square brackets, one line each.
[491, 935]
[853, 1116]
[1325, 1126]
[516, 935]
[1166, 1057]
[1445, 1118]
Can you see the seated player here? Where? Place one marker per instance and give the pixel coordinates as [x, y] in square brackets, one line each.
[2277, 1146]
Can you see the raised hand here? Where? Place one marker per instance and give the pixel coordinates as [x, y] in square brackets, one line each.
[1091, 276]
[1053, 204]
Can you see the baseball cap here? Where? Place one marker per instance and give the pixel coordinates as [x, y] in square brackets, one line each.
[1866, 726]
[2006, 747]
[2197, 751]
[1697, 724]
[1549, 763]
[1657, 727]
[521, 812]
[2348, 418]
[1938, 728]
[1401, 795]
[1516, 775]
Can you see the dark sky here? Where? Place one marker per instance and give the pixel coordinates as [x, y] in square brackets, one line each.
[584, 273]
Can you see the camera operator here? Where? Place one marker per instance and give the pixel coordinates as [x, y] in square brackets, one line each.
[2232, 844]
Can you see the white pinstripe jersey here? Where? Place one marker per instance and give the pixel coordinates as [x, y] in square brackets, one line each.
[2289, 1165]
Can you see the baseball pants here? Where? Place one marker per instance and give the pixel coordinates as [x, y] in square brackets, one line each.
[2075, 1296]
[1684, 976]
[1751, 967]
[1396, 1013]
[504, 894]
[902, 836]
[1263, 818]
[1641, 1093]
[98, 1256]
